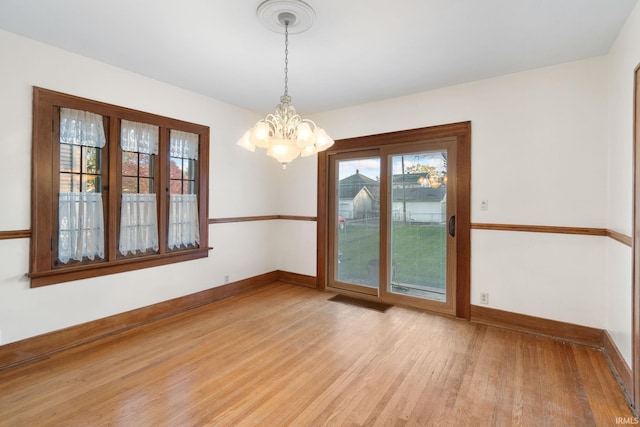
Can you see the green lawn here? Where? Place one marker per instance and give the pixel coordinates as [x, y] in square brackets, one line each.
[417, 253]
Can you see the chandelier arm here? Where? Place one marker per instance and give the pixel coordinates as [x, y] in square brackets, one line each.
[292, 126]
[275, 124]
[284, 123]
[310, 122]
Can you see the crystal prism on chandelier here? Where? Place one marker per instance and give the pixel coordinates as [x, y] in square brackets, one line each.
[284, 134]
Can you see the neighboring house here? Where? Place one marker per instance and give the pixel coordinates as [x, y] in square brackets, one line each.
[421, 204]
[358, 196]
[415, 200]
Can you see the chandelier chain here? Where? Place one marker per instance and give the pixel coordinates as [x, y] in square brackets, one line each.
[286, 59]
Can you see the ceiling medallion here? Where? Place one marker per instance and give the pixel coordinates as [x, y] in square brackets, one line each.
[270, 14]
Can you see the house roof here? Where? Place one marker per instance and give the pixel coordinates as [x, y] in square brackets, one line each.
[409, 178]
[419, 194]
[350, 186]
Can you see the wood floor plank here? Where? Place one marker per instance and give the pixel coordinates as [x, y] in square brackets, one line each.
[283, 355]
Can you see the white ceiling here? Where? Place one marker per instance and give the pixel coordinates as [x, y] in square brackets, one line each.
[357, 50]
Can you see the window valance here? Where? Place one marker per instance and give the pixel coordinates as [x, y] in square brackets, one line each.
[81, 128]
[138, 137]
[184, 145]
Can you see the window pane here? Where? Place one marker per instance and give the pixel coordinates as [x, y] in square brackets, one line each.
[146, 165]
[70, 158]
[65, 182]
[92, 160]
[418, 225]
[175, 187]
[91, 183]
[129, 184]
[69, 183]
[146, 185]
[358, 222]
[175, 168]
[66, 161]
[189, 169]
[188, 187]
[129, 163]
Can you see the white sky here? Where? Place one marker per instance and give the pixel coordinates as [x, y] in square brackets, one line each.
[370, 166]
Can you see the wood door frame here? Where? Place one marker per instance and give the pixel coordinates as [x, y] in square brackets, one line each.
[462, 132]
[635, 328]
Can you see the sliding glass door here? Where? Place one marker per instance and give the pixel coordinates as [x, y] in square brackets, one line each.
[392, 223]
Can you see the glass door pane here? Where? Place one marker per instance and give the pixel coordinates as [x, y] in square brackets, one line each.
[418, 225]
[356, 254]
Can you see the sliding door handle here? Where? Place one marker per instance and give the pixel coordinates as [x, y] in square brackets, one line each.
[452, 225]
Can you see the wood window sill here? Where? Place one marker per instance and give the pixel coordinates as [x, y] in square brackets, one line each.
[66, 274]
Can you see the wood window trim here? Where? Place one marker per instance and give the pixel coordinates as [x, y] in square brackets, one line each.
[44, 194]
[462, 132]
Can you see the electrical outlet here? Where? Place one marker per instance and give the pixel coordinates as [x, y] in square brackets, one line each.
[226, 278]
[484, 298]
[484, 205]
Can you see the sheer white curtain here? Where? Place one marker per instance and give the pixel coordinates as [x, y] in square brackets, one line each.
[81, 226]
[138, 214]
[183, 220]
[80, 215]
[184, 228]
[138, 223]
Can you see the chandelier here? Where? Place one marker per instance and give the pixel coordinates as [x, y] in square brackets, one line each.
[284, 134]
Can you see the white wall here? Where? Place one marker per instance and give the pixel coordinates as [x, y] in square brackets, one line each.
[623, 58]
[539, 156]
[241, 184]
[550, 146]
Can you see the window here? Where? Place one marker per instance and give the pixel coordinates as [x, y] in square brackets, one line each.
[183, 218]
[113, 189]
[80, 208]
[138, 213]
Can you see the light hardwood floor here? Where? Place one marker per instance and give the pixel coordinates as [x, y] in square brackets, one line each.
[284, 355]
